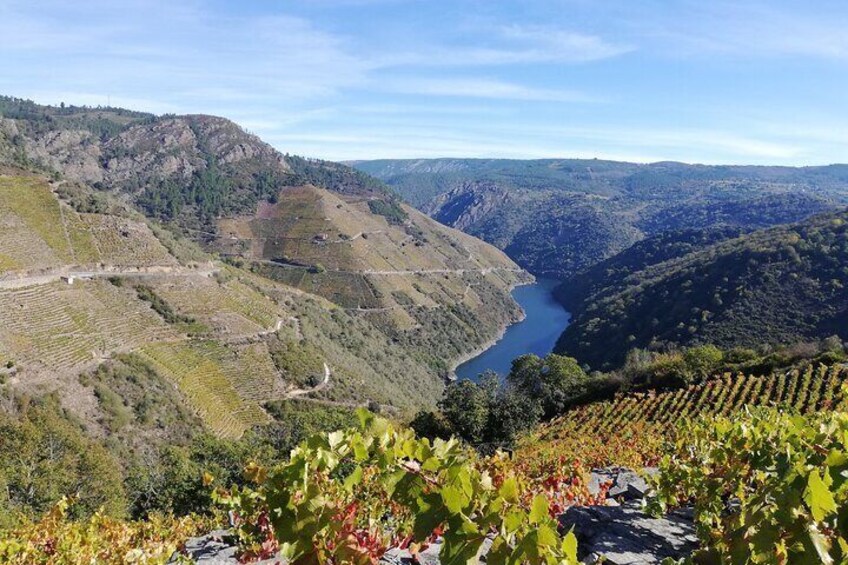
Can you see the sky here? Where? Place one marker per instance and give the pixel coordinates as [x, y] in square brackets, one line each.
[707, 81]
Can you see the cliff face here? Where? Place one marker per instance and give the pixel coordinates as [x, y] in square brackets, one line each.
[149, 151]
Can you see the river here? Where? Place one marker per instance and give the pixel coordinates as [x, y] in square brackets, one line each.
[544, 322]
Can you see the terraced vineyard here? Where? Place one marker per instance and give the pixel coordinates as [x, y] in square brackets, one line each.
[37, 231]
[630, 429]
[59, 326]
[232, 307]
[30, 214]
[120, 241]
[222, 392]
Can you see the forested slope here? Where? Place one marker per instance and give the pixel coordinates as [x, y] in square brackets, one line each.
[557, 217]
[773, 286]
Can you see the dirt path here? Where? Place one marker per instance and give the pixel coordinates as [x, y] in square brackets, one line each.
[30, 279]
[408, 272]
[320, 386]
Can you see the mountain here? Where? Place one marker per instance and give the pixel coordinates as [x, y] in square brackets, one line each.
[773, 286]
[241, 276]
[557, 217]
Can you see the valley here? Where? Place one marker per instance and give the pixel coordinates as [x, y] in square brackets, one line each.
[398, 273]
[180, 300]
[380, 282]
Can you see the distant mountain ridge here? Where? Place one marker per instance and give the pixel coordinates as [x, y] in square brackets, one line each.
[558, 217]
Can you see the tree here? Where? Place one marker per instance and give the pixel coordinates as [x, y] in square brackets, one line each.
[510, 415]
[702, 361]
[43, 457]
[556, 381]
[465, 406]
[431, 425]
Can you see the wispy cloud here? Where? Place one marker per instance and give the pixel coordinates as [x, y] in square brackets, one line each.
[196, 59]
[722, 81]
[486, 88]
[754, 29]
[510, 45]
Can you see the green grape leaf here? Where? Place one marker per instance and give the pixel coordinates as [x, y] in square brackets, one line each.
[509, 490]
[454, 498]
[498, 553]
[353, 479]
[335, 438]
[539, 509]
[818, 497]
[569, 547]
[461, 550]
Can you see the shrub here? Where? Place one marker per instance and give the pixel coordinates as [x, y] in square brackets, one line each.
[348, 496]
[702, 361]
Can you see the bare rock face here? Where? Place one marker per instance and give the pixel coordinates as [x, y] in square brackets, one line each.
[230, 143]
[172, 148]
[8, 132]
[624, 535]
[465, 206]
[164, 149]
[75, 152]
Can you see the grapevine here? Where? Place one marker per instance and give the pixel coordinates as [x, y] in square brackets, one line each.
[349, 496]
[767, 486]
[56, 539]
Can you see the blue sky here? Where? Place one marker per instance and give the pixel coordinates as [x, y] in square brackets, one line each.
[696, 81]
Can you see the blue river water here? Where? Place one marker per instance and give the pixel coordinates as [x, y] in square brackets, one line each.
[537, 333]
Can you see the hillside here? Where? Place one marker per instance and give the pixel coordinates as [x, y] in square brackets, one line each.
[774, 286]
[187, 170]
[650, 251]
[559, 217]
[206, 178]
[224, 337]
[317, 226]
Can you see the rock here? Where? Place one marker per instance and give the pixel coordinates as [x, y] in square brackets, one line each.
[429, 556]
[626, 484]
[216, 548]
[624, 535]
[210, 549]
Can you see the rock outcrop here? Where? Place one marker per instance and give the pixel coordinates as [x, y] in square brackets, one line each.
[625, 535]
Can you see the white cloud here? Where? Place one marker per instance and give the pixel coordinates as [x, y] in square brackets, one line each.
[486, 88]
[554, 44]
[186, 56]
[510, 45]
